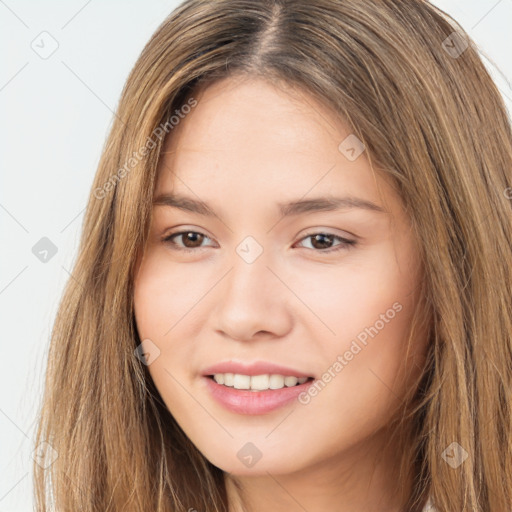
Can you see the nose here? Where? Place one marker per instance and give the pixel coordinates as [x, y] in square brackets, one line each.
[252, 301]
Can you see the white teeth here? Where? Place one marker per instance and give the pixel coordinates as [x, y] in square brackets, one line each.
[290, 381]
[260, 382]
[241, 381]
[219, 378]
[276, 382]
[257, 382]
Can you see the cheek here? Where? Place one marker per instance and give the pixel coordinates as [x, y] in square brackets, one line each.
[361, 291]
[167, 304]
[366, 371]
[369, 307]
[162, 295]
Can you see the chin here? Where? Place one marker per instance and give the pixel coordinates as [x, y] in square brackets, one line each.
[241, 464]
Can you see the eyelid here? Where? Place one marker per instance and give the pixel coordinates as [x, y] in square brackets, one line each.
[329, 231]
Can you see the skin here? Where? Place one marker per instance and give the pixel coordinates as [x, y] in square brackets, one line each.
[245, 147]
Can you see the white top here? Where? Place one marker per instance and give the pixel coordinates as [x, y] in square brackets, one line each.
[429, 507]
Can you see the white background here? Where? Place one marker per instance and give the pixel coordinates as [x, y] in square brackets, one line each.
[55, 115]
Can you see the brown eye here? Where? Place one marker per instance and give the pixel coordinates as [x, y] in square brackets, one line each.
[190, 239]
[323, 242]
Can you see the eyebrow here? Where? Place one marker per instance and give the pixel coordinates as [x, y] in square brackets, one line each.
[291, 208]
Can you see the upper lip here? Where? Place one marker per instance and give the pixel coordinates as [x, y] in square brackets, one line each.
[254, 368]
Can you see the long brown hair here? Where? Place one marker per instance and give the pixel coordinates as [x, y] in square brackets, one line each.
[412, 86]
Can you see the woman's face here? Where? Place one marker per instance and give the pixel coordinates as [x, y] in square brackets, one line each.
[300, 263]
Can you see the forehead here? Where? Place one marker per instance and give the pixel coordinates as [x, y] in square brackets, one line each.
[248, 137]
[244, 114]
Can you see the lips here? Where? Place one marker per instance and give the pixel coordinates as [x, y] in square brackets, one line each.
[242, 401]
[253, 403]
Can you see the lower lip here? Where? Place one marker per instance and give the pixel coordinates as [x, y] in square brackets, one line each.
[244, 401]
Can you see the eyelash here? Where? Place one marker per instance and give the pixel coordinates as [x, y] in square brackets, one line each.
[344, 243]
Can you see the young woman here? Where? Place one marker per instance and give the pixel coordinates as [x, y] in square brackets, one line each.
[293, 285]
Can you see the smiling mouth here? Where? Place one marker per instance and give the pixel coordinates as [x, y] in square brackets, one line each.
[264, 382]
